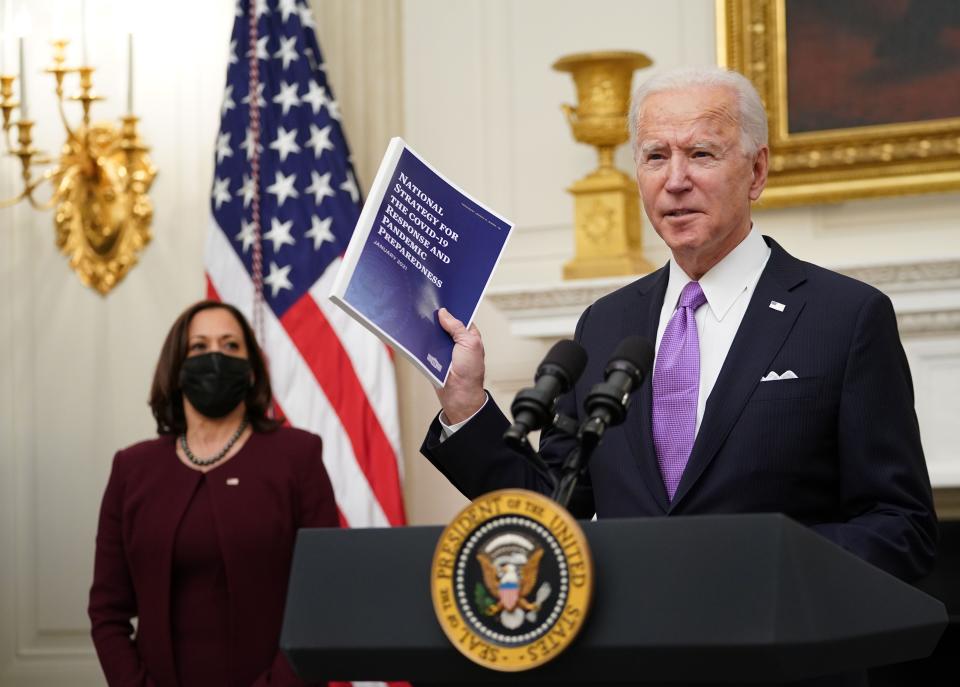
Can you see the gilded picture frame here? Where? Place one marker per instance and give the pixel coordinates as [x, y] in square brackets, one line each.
[847, 161]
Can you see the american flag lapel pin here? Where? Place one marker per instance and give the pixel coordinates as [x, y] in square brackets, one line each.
[233, 481]
[779, 307]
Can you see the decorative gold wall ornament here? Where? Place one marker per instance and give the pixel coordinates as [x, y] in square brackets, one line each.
[606, 201]
[837, 164]
[99, 185]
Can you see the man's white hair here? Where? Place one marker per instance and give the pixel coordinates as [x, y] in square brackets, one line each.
[752, 116]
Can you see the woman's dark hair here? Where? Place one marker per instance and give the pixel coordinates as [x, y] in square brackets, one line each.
[166, 399]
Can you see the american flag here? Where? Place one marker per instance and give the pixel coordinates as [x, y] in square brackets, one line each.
[282, 159]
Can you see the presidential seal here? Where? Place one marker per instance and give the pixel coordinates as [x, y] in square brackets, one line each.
[511, 580]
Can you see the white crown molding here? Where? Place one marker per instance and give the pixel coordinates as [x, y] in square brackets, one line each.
[932, 322]
[909, 276]
[926, 296]
[550, 311]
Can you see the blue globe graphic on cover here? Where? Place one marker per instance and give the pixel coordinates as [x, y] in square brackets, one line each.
[381, 289]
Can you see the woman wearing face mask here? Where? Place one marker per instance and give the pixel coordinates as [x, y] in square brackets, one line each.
[197, 526]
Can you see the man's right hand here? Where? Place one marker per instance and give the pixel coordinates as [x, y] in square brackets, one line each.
[463, 394]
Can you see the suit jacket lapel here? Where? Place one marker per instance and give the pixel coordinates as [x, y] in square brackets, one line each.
[759, 338]
[638, 427]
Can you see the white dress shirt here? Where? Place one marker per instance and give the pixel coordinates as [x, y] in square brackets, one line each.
[728, 287]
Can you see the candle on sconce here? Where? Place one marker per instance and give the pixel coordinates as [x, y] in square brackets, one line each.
[6, 32]
[83, 34]
[23, 83]
[58, 29]
[11, 29]
[130, 73]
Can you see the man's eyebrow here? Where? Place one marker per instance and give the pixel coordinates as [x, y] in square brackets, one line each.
[650, 146]
[704, 145]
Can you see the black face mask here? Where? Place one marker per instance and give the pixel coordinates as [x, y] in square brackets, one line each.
[215, 383]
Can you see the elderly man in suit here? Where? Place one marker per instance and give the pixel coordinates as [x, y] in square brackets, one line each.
[778, 386]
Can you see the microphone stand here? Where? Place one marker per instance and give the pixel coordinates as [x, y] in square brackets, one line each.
[564, 425]
[609, 409]
[575, 464]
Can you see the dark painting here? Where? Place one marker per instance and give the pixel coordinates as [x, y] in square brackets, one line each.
[865, 62]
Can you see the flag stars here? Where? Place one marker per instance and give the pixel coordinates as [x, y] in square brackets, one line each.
[278, 279]
[320, 231]
[221, 192]
[350, 186]
[287, 51]
[288, 7]
[282, 188]
[306, 17]
[291, 81]
[316, 95]
[333, 109]
[320, 139]
[261, 102]
[223, 147]
[246, 190]
[320, 186]
[279, 234]
[285, 143]
[247, 145]
[287, 97]
[246, 234]
[262, 53]
[228, 103]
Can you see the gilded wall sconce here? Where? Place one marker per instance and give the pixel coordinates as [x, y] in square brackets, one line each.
[99, 184]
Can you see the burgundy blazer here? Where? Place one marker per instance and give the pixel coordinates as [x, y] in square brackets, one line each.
[274, 485]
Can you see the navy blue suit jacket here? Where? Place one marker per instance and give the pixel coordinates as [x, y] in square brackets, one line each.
[837, 449]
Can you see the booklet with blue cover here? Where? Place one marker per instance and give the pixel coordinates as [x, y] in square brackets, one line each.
[421, 244]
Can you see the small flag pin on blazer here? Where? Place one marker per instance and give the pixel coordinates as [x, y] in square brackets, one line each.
[233, 481]
[779, 307]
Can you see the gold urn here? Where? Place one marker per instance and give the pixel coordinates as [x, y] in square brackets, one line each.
[606, 202]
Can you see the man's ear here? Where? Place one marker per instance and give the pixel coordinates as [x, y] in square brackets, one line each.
[761, 165]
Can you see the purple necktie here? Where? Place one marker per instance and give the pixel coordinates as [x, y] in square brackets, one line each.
[676, 386]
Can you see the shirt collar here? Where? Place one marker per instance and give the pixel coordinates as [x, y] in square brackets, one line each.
[726, 280]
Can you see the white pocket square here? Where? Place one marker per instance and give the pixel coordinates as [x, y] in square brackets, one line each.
[774, 377]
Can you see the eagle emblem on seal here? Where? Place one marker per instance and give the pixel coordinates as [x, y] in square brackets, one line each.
[510, 564]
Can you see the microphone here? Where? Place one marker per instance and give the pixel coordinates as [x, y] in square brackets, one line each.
[534, 408]
[606, 404]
